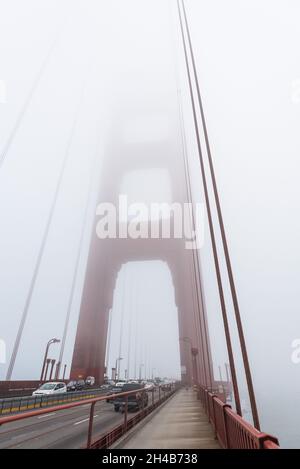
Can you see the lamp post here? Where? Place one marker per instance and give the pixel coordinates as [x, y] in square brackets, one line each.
[52, 361]
[51, 341]
[64, 373]
[48, 361]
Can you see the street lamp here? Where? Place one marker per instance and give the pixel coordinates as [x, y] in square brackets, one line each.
[51, 341]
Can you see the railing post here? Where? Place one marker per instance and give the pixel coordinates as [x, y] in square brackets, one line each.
[158, 393]
[207, 403]
[143, 399]
[90, 431]
[152, 397]
[225, 425]
[214, 415]
[126, 413]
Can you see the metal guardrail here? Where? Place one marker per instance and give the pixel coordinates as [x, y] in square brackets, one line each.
[19, 404]
[107, 439]
[232, 431]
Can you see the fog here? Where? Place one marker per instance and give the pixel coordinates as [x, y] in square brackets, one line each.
[73, 65]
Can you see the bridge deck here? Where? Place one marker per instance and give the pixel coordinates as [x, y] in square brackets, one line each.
[180, 423]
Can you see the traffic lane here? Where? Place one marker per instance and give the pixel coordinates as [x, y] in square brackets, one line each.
[62, 429]
[77, 438]
[20, 424]
[35, 426]
[77, 435]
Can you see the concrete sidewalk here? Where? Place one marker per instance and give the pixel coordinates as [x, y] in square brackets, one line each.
[180, 423]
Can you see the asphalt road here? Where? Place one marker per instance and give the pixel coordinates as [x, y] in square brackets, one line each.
[62, 429]
[65, 429]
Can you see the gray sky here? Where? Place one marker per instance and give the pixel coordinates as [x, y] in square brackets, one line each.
[246, 53]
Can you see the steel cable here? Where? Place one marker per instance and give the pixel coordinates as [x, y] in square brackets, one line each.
[223, 236]
[211, 227]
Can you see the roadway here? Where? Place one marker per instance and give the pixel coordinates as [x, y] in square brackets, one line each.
[64, 429]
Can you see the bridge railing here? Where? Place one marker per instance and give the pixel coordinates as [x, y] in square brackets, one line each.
[232, 431]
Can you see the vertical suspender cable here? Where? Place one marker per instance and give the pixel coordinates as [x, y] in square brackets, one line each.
[207, 373]
[136, 329]
[207, 380]
[223, 236]
[130, 328]
[107, 354]
[197, 278]
[211, 228]
[44, 239]
[122, 319]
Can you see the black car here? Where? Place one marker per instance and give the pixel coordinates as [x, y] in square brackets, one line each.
[113, 390]
[136, 401]
[76, 385]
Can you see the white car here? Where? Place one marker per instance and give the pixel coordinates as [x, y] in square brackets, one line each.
[90, 381]
[149, 385]
[50, 388]
[120, 384]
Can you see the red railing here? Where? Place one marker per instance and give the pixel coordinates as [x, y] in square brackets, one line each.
[232, 431]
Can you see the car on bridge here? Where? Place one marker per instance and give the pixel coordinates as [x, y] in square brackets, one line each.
[113, 390]
[90, 381]
[76, 385]
[136, 401]
[51, 388]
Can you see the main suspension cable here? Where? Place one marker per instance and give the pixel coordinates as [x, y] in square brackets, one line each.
[211, 227]
[223, 236]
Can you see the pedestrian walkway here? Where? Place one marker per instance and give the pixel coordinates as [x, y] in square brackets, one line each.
[180, 423]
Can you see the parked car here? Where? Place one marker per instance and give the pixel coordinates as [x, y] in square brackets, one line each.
[50, 388]
[90, 381]
[76, 385]
[136, 401]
